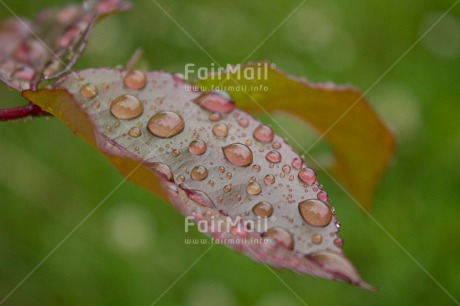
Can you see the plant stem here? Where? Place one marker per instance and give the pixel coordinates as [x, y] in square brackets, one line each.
[20, 112]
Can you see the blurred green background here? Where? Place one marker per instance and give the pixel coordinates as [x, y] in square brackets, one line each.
[132, 248]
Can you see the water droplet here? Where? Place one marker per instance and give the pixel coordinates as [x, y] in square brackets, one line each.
[264, 133]
[220, 199]
[211, 183]
[135, 132]
[307, 175]
[215, 116]
[248, 142]
[180, 178]
[255, 168]
[254, 188]
[199, 173]
[228, 175]
[281, 236]
[297, 163]
[286, 169]
[166, 124]
[317, 238]
[315, 212]
[216, 101]
[197, 147]
[163, 170]
[135, 80]
[269, 179]
[228, 188]
[221, 169]
[220, 130]
[263, 209]
[126, 107]
[338, 242]
[88, 90]
[108, 128]
[273, 157]
[276, 145]
[175, 152]
[238, 154]
[322, 195]
[243, 122]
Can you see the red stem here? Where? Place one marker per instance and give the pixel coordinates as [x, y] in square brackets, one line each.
[15, 113]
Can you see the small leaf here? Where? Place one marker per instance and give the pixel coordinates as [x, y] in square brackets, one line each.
[214, 163]
[32, 52]
[363, 146]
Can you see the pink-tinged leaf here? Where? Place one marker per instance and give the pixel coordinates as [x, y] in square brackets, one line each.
[32, 52]
[362, 144]
[214, 163]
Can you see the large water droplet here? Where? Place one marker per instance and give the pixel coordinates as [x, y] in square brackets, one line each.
[89, 90]
[281, 236]
[135, 80]
[263, 209]
[220, 130]
[126, 107]
[166, 124]
[238, 154]
[197, 147]
[163, 170]
[216, 101]
[199, 173]
[273, 157]
[315, 212]
[264, 133]
[254, 188]
[307, 175]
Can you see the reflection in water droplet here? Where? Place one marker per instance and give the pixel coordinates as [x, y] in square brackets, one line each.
[126, 107]
[166, 124]
[197, 147]
[88, 90]
[297, 163]
[199, 173]
[281, 236]
[243, 122]
[317, 238]
[216, 101]
[269, 179]
[273, 157]
[238, 154]
[254, 188]
[135, 132]
[163, 170]
[220, 130]
[286, 169]
[315, 212]
[228, 188]
[255, 168]
[135, 80]
[263, 133]
[263, 209]
[322, 195]
[276, 145]
[307, 175]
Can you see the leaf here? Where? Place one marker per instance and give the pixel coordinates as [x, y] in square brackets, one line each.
[363, 146]
[32, 52]
[214, 163]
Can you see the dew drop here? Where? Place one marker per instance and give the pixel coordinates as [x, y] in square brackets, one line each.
[281, 236]
[248, 142]
[135, 80]
[263, 209]
[273, 157]
[216, 101]
[315, 212]
[126, 107]
[338, 242]
[322, 195]
[307, 175]
[89, 90]
[175, 152]
[269, 179]
[197, 147]
[199, 173]
[220, 130]
[163, 170]
[255, 168]
[229, 175]
[276, 145]
[263, 133]
[238, 154]
[215, 116]
[286, 169]
[180, 178]
[228, 188]
[297, 163]
[254, 188]
[317, 239]
[243, 122]
[166, 124]
[135, 132]
[195, 136]
[221, 169]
